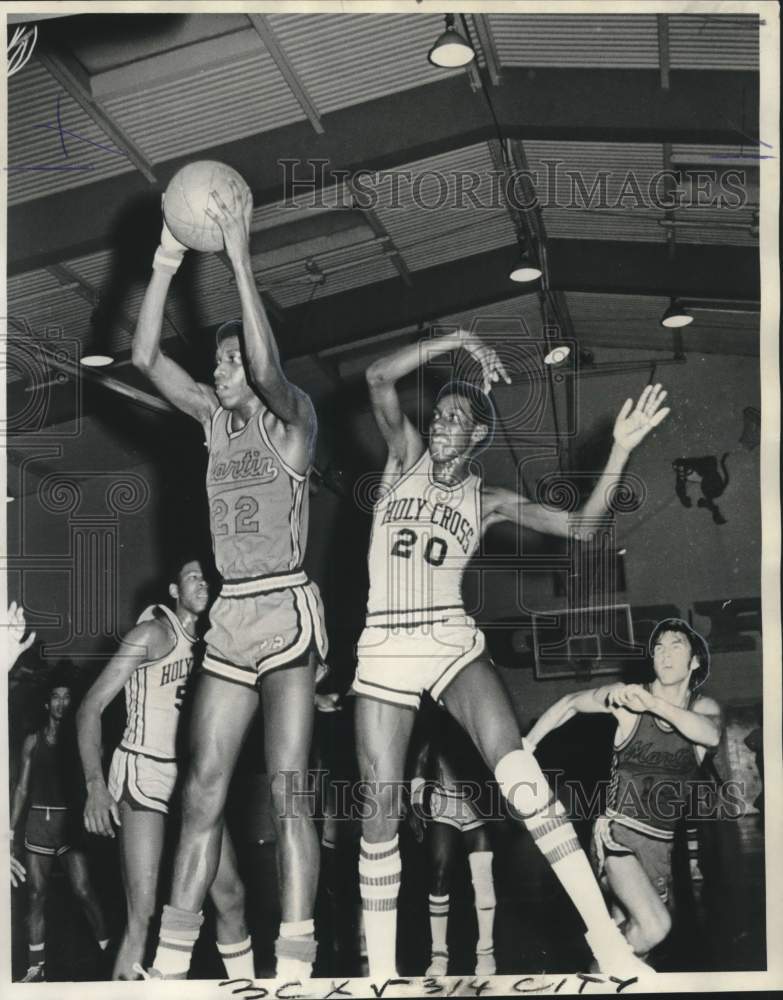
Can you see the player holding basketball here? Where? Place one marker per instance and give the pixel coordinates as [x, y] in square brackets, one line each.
[664, 730]
[46, 784]
[447, 768]
[267, 630]
[153, 665]
[426, 527]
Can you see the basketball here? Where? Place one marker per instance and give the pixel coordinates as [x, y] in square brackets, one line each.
[187, 199]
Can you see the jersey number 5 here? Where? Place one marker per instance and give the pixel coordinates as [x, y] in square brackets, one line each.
[434, 550]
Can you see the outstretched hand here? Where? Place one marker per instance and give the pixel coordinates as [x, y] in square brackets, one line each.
[233, 219]
[15, 627]
[634, 423]
[492, 368]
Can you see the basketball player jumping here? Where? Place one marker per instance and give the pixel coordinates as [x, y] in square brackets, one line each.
[267, 629]
[153, 665]
[664, 731]
[426, 526]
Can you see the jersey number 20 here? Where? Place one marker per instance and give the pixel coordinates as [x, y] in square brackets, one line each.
[434, 550]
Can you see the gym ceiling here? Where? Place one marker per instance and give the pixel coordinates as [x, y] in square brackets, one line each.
[110, 106]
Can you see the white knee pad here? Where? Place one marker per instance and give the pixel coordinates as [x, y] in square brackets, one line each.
[522, 782]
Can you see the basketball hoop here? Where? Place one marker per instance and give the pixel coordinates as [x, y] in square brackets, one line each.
[20, 47]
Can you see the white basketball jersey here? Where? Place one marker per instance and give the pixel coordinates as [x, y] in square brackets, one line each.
[423, 535]
[154, 694]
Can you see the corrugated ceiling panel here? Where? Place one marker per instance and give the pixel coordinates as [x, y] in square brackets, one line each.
[345, 59]
[30, 284]
[280, 213]
[573, 223]
[491, 318]
[217, 105]
[714, 41]
[443, 207]
[40, 160]
[66, 311]
[614, 40]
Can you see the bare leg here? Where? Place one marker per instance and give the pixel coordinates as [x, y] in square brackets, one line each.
[222, 713]
[39, 870]
[443, 844]
[383, 732]
[141, 844]
[648, 920]
[75, 864]
[287, 699]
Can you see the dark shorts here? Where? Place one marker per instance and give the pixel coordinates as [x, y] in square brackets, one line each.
[47, 831]
[654, 854]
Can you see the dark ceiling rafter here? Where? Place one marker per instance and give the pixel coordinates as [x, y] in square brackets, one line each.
[558, 104]
[70, 75]
[267, 35]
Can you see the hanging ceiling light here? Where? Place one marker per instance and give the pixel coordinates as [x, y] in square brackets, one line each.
[452, 49]
[676, 316]
[97, 360]
[524, 269]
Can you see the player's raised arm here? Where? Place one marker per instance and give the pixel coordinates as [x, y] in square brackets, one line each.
[142, 643]
[596, 700]
[634, 422]
[169, 378]
[288, 402]
[404, 442]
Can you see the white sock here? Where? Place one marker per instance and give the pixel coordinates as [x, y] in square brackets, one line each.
[439, 920]
[484, 899]
[238, 959]
[295, 949]
[524, 785]
[380, 872]
[179, 931]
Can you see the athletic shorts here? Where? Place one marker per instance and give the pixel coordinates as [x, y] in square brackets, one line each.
[654, 854]
[47, 831]
[396, 665]
[262, 624]
[144, 783]
[453, 809]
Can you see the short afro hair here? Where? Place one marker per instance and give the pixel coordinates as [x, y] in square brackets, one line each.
[698, 645]
[482, 409]
[231, 328]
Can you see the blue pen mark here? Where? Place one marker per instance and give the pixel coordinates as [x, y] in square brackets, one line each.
[62, 132]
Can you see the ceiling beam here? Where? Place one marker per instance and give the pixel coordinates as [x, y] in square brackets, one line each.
[487, 42]
[664, 62]
[265, 32]
[380, 231]
[70, 75]
[600, 266]
[558, 104]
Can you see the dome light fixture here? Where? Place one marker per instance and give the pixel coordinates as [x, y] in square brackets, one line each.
[97, 360]
[452, 49]
[557, 356]
[676, 316]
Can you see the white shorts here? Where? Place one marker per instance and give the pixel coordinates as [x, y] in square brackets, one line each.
[453, 809]
[141, 781]
[396, 664]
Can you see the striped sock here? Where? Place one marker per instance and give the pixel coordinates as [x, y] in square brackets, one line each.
[380, 871]
[179, 930]
[439, 920]
[484, 898]
[524, 785]
[295, 949]
[36, 954]
[238, 959]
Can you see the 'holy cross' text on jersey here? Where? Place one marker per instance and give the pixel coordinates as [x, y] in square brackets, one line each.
[420, 509]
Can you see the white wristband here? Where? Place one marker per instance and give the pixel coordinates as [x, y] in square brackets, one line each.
[166, 261]
[529, 745]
